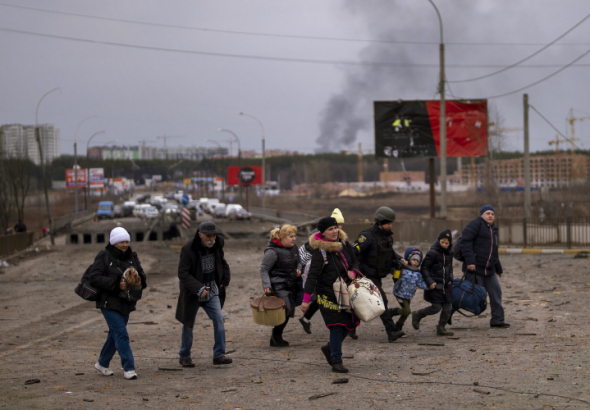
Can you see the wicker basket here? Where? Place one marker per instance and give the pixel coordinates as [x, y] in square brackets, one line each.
[268, 310]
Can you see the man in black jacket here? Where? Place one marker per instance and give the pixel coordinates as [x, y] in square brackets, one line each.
[479, 244]
[374, 248]
[204, 275]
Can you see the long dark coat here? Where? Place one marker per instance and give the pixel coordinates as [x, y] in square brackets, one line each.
[479, 244]
[438, 268]
[190, 275]
[322, 277]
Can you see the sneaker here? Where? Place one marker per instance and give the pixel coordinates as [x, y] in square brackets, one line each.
[306, 325]
[105, 371]
[222, 360]
[186, 362]
[130, 375]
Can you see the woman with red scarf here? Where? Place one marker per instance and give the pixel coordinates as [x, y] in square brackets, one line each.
[280, 275]
[333, 267]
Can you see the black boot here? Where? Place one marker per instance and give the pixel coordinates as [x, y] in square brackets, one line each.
[326, 351]
[338, 367]
[353, 334]
[416, 318]
[396, 334]
[277, 340]
[306, 325]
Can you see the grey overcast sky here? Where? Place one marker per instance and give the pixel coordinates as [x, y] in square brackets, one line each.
[140, 93]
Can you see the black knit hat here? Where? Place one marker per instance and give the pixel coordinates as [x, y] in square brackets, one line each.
[446, 235]
[326, 223]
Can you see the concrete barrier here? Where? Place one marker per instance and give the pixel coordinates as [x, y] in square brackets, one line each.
[9, 244]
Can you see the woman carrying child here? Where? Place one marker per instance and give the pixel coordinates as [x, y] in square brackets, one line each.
[437, 271]
[405, 287]
[331, 270]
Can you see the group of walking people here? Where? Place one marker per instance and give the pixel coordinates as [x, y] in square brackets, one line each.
[304, 277]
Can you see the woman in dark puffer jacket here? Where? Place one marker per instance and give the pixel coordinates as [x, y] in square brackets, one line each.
[106, 275]
[339, 263]
[280, 275]
[437, 272]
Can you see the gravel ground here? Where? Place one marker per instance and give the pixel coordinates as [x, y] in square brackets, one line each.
[50, 334]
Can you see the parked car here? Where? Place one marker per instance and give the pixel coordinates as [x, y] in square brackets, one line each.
[236, 211]
[171, 209]
[118, 211]
[210, 205]
[219, 211]
[141, 210]
[128, 208]
[150, 212]
[105, 210]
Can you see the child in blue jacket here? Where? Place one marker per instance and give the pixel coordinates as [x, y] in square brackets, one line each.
[405, 288]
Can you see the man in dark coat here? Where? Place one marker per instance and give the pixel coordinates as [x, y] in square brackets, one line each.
[374, 251]
[479, 244]
[20, 226]
[204, 275]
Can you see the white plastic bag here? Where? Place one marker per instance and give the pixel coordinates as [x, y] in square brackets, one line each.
[365, 299]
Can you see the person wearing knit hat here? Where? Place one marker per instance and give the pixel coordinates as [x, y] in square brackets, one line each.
[326, 223]
[437, 272]
[479, 246]
[117, 298]
[119, 235]
[336, 214]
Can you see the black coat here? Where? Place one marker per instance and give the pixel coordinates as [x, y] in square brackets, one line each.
[107, 278]
[283, 274]
[479, 244]
[190, 275]
[321, 278]
[438, 268]
[374, 251]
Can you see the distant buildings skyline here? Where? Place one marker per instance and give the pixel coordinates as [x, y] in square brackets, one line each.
[17, 140]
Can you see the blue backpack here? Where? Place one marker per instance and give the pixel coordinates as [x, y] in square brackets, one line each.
[469, 296]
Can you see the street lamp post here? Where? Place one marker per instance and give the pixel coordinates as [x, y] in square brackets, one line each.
[88, 143]
[263, 157]
[239, 159]
[38, 138]
[76, 162]
[102, 150]
[442, 122]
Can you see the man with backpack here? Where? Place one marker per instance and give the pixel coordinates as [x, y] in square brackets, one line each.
[479, 248]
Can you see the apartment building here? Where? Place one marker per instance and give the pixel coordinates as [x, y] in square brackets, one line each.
[20, 140]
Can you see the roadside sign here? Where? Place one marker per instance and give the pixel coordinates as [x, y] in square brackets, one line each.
[185, 199]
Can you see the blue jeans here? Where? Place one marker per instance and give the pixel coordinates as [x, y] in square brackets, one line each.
[213, 309]
[337, 335]
[117, 341]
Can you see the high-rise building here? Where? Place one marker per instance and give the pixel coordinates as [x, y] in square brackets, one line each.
[19, 140]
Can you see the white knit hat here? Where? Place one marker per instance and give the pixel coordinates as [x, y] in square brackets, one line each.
[119, 235]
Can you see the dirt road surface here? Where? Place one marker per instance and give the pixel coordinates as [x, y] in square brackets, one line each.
[50, 334]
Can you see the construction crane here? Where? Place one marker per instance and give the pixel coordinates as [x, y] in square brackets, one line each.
[360, 158]
[571, 121]
[557, 141]
[165, 137]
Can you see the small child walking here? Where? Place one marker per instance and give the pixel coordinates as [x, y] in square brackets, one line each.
[437, 271]
[405, 287]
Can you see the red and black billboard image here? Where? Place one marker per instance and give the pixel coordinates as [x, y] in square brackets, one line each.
[248, 175]
[405, 129]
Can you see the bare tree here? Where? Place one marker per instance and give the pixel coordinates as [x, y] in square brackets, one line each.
[18, 170]
[6, 200]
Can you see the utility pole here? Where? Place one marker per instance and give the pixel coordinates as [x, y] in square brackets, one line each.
[527, 161]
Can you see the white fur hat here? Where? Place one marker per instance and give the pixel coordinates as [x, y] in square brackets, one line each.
[119, 235]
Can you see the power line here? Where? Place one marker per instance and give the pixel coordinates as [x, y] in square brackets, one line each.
[268, 58]
[524, 59]
[541, 80]
[249, 33]
[552, 126]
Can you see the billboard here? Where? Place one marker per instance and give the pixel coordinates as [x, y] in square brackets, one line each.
[249, 175]
[71, 177]
[405, 129]
[96, 177]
